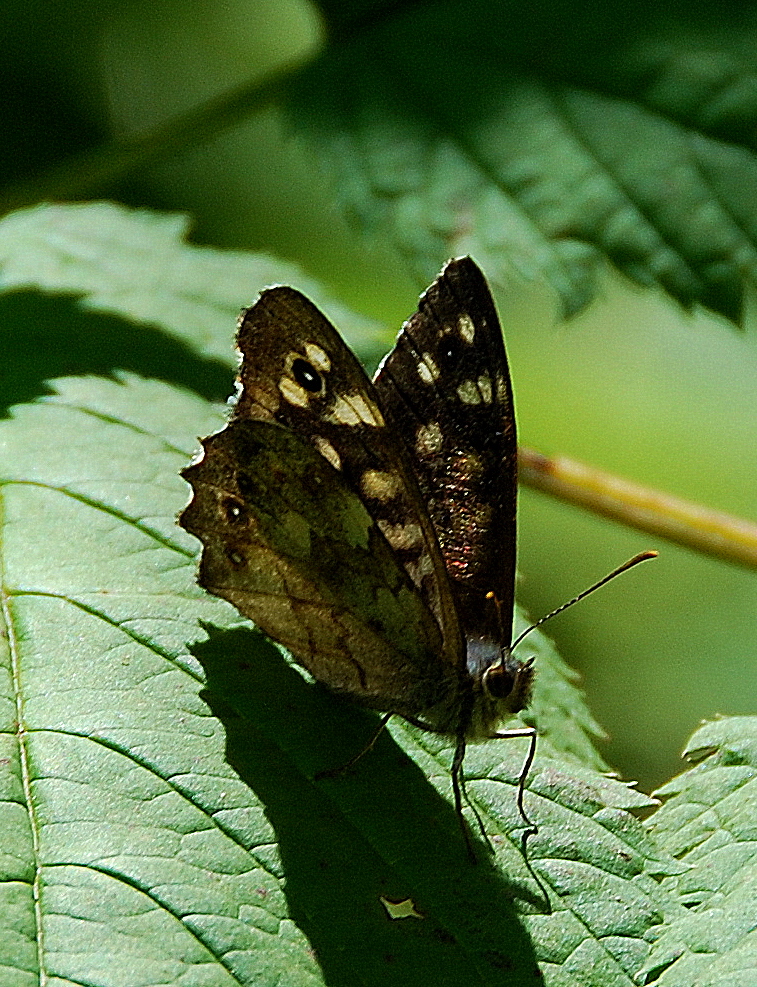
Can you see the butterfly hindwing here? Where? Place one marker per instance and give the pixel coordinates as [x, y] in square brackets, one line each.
[446, 387]
[293, 548]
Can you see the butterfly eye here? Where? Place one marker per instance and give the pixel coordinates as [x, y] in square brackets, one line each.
[234, 511]
[498, 682]
[307, 376]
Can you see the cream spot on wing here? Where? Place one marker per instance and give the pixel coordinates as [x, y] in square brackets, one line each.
[318, 357]
[427, 369]
[469, 463]
[466, 328]
[263, 397]
[367, 410]
[428, 439]
[402, 535]
[293, 393]
[327, 451]
[419, 569]
[343, 413]
[380, 485]
[485, 389]
[355, 410]
[468, 392]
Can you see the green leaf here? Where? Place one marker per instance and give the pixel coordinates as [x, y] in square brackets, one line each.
[135, 264]
[546, 139]
[161, 818]
[117, 788]
[162, 822]
[708, 823]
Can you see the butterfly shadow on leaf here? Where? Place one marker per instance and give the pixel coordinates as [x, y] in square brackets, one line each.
[56, 337]
[380, 830]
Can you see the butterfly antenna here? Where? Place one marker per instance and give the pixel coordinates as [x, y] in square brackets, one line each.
[641, 557]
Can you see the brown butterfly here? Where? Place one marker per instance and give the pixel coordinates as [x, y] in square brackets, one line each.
[369, 527]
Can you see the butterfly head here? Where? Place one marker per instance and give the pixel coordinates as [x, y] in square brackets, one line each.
[502, 686]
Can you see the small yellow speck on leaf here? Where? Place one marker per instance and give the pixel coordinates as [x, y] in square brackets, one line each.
[400, 909]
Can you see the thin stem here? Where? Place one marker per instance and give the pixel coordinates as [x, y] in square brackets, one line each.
[93, 172]
[700, 528]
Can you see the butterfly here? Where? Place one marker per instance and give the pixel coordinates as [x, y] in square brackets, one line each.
[370, 526]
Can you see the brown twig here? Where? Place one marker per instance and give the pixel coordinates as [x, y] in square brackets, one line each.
[700, 528]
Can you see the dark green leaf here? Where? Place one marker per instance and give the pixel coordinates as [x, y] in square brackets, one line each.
[547, 139]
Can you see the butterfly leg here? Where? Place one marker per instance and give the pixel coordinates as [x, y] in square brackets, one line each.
[336, 772]
[458, 788]
[532, 828]
[460, 794]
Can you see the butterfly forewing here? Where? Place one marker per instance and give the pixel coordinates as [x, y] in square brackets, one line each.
[446, 387]
[297, 371]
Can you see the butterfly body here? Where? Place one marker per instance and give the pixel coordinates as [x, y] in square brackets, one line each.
[369, 527]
